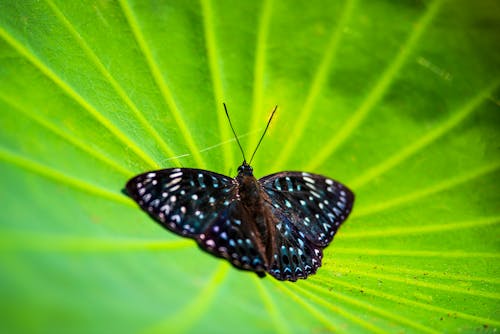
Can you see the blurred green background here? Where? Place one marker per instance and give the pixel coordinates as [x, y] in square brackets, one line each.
[399, 100]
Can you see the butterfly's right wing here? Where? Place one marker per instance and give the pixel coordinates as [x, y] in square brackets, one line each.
[201, 205]
[307, 209]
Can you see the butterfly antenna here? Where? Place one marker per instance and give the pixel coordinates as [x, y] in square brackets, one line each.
[234, 132]
[262, 137]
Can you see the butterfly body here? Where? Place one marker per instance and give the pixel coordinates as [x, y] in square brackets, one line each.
[278, 224]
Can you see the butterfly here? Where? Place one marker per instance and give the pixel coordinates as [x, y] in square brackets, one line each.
[278, 224]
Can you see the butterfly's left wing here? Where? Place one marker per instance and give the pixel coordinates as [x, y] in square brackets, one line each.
[308, 210]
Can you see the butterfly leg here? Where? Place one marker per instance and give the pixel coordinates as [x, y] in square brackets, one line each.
[261, 274]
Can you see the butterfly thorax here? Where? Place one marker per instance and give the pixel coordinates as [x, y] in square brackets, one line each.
[253, 198]
[248, 186]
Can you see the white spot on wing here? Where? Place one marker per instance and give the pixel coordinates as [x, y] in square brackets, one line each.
[173, 182]
[309, 180]
[165, 208]
[175, 175]
[315, 194]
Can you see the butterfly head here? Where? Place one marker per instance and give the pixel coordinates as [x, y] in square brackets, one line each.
[245, 169]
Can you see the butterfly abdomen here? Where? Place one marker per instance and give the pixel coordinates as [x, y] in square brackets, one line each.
[252, 198]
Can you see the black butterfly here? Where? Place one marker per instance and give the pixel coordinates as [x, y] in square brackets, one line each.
[278, 224]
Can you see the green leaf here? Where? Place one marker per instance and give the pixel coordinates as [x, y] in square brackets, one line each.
[397, 99]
